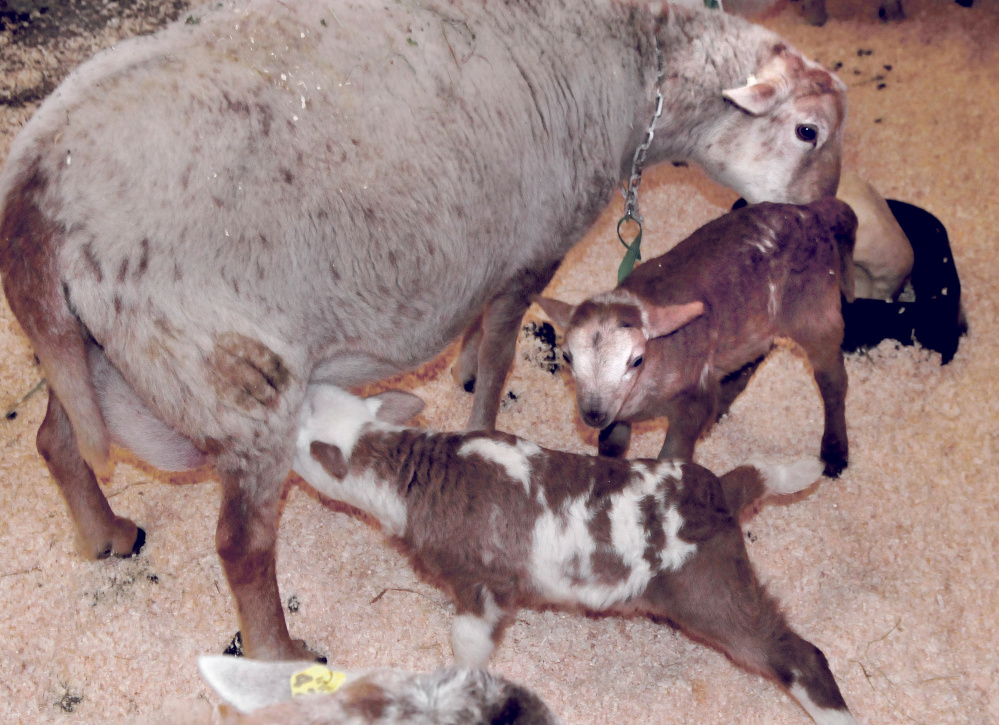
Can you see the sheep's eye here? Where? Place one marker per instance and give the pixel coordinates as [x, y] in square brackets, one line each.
[567, 357]
[638, 361]
[806, 132]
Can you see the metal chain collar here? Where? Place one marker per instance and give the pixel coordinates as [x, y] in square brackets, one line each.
[630, 192]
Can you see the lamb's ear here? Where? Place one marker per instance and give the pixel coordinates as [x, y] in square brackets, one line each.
[246, 684]
[330, 458]
[560, 312]
[397, 407]
[664, 320]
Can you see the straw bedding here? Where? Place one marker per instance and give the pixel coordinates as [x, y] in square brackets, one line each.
[891, 570]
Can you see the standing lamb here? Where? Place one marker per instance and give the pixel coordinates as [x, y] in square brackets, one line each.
[501, 523]
[276, 193]
[672, 339]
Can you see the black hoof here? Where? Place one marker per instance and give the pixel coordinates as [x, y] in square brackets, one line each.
[140, 541]
[235, 648]
[834, 468]
[469, 385]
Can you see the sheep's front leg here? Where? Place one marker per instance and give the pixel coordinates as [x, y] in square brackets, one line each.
[246, 538]
[498, 342]
[476, 627]
[99, 533]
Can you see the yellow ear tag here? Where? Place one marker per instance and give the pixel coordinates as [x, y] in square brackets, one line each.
[316, 679]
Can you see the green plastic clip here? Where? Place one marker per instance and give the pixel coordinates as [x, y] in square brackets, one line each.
[634, 253]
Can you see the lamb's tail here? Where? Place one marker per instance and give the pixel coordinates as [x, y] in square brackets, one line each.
[29, 248]
[755, 479]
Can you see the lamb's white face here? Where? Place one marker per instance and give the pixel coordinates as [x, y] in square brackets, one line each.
[332, 415]
[605, 357]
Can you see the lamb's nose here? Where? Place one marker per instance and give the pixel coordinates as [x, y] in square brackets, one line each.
[595, 418]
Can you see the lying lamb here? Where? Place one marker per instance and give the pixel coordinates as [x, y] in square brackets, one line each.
[672, 338]
[304, 693]
[501, 523]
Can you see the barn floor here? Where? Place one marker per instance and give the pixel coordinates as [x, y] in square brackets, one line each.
[892, 570]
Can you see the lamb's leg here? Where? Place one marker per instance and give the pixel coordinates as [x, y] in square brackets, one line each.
[716, 598]
[500, 324]
[466, 366]
[99, 532]
[614, 439]
[732, 385]
[476, 627]
[245, 538]
[826, 357]
[689, 413]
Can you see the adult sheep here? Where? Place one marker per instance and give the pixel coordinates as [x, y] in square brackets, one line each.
[275, 193]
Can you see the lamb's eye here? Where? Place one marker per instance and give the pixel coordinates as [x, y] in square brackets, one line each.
[638, 361]
[806, 132]
[567, 357]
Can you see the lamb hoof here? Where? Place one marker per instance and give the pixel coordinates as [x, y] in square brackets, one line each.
[614, 439]
[611, 450]
[469, 385]
[834, 465]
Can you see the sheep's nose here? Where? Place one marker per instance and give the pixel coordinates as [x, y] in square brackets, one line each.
[595, 419]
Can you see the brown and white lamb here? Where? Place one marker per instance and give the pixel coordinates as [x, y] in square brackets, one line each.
[501, 523]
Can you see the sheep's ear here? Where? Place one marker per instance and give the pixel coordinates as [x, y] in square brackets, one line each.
[766, 88]
[560, 312]
[664, 320]
[397, 407]
[330, 458]
[755, 98]
[246, 684]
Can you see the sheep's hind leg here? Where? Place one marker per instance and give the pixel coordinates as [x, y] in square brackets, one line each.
[100, 533]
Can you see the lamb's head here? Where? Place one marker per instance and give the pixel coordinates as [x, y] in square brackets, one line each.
[604, 345]
[333, 420]
[784, 140]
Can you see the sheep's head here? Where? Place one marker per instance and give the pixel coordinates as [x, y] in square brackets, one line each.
[784, 142]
